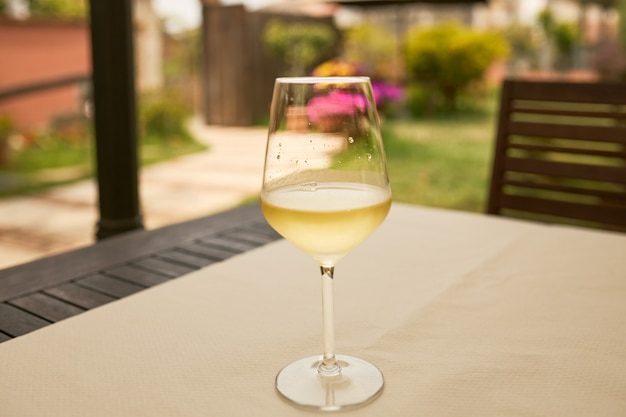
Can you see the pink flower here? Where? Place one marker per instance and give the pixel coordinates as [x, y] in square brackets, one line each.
[336, 103]
[384, 93]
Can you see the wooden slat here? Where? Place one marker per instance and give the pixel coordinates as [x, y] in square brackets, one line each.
[185, 259]
[566, 169]
[47, 307]
[16, 322]
[602, 93]
[609, 195]
[568, 150]
[79, 296]
[612, 134]
[526, 109]
[250, 236]
[163, 267]
[108, 285]
[137, 275]
[209, 251]
[604, 215]
[227, 243]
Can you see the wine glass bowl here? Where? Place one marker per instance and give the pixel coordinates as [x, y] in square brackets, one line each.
[326, 189]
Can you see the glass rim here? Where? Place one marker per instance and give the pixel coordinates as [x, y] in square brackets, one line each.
[323, 80]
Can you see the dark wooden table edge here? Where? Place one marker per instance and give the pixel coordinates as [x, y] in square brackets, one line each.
[47, 290]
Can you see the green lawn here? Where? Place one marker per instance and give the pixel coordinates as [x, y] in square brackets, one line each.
[54, 161]
[443, 162]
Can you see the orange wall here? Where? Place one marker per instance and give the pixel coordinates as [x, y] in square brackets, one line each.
[32, 52]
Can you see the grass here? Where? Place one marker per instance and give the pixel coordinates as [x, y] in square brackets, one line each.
[157, 149]
[441, 162]
[52, 161]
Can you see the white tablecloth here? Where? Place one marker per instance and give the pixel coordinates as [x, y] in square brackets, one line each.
[466, 315]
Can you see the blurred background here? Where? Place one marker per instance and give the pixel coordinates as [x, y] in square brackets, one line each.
[436, 68]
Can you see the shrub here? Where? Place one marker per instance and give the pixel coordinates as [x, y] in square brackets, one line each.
[449, 58]
[566, 37]
[522, 39]
[6, 130]
[76, 9]
[163, 115]
[7, 126]
[419, 102]
[375, 49]
[298, 45]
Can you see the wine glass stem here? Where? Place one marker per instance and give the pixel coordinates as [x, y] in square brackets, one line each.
[329, 365]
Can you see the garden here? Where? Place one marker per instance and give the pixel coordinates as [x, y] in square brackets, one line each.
[431, 88]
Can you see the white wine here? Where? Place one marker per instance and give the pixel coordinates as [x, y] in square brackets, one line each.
[326, 220]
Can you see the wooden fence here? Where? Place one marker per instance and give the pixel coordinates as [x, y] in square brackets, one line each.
[237, 71]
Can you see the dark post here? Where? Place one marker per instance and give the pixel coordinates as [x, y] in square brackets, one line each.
[115, 116]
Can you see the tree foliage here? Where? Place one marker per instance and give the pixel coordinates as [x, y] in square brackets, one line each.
[299, 45]
[523, 40]
[74, 9]
[372, 46]
[450, 58]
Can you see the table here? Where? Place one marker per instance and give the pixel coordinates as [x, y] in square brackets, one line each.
[465, 314]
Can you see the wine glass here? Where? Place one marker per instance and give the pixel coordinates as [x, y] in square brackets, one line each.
[326, 189]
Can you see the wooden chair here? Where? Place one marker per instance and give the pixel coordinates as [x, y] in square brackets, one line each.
[560, 153]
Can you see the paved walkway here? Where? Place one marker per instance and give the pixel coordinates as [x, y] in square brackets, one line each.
[64, 218]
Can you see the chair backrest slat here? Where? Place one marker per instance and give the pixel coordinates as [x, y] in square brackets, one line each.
[568, 210]
[560, 153]
[525, 108]
[578, 191]
[612, 134]
[565, 170]
[566, 150]
[568, 92]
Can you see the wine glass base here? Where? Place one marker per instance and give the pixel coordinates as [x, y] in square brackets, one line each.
[302, 385]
